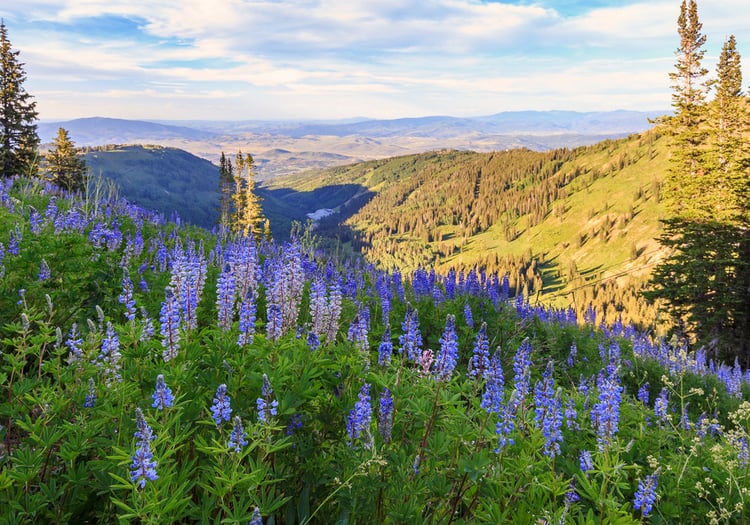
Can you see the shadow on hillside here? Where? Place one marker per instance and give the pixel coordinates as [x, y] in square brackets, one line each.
[283, 206]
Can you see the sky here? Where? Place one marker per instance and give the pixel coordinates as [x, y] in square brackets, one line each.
[336, 59]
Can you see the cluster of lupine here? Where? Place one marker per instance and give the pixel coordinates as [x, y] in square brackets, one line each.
[288, 274]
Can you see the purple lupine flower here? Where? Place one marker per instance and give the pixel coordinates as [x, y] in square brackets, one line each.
[170, 325]
[14, 243]
[275, 320]
[247, 321]
[522, 370]
[73, 342]
[295, 423]
[238, 437]
[585, 461]
[108, 359]
[643, 393]
[360, 417]
[225, 296]
[494, 386]
[743, 453]
[645, 495]
[35, 221]
[143, 467]
[143, 431]
[147, 326]
[385, 349]
[685, 420]
[126, 296]
[548, 412]
[256, 518]
[162, 395]
[506, 422]
[220, 409]
[90, 400]
[571, 415]
[312, 340]
[267, 406]
[572, 355]
[450, 284]
[44, 271]
[385, 415]
[51, 210]
[357, 333]
[334, 312]
[411, 340]
[447, 357]
[660, 407]
[605, 414]
[318, 305]
[468, 315]
[480, 359]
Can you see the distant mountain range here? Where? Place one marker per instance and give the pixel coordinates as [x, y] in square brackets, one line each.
[96, 131]
[287, 147]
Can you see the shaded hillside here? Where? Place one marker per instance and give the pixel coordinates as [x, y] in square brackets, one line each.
[162, 179]
[572, 224]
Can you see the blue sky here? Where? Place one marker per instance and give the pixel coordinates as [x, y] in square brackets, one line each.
[329, 59]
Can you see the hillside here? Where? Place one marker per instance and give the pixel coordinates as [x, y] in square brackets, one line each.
[558, 222]
[162, 179]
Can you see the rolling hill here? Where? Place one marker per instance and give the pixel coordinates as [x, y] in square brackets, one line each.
[566, 225]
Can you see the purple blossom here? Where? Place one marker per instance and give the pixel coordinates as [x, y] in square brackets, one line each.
[247, 321]
[73, 342]
[238, 436]
[605, 414]
[143, 467]
[492, 398]
[480, 359]
[162, 395]
[91, 395]
[645, 495]
[170, 325]
[220, 409]
[225, 296]
[585, 461]
[411, 340]
[385, 349]
[447, 357]
[267, 406]
[360, 417]
[548, 412]
[256, 518]
[660, 407]
[468, 315]
[275, 322]
[385, 415]
[522, 370]
[44, 271]
[108, 359]
[126, 296]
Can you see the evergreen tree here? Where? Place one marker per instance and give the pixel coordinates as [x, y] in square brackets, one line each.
[226, 186]
[248, 214]
[704, 284]
[63, 166]
[19, 141]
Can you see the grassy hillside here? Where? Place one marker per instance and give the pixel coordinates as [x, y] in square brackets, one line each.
[162, 179]
[569, 224]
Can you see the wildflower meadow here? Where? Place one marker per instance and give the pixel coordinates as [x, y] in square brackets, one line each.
[153, 372]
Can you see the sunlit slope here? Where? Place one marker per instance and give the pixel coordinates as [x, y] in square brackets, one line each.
[555, 221]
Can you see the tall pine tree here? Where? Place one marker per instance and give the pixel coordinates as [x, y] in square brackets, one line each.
[63, 166]
[703, 284]
[19, 141]
[248, 213]
[226, 186]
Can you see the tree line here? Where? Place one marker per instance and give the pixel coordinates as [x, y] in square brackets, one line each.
[704, 286]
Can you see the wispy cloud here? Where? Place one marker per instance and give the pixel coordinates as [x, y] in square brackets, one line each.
[338, 58]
